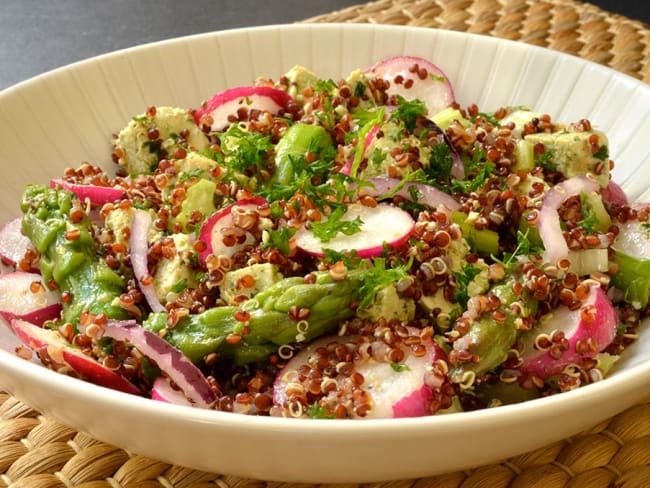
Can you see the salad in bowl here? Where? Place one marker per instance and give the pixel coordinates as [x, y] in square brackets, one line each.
[315, 248]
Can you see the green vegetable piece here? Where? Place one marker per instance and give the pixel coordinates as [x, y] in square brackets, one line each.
[482, 241]
[633, 277]
[299, 140]
[199, 196]
[69, 254]
[524, 156]
[530, 231]
[489, 339]
[595, 215]
[269, 325]
[446, 116]
[504, 393]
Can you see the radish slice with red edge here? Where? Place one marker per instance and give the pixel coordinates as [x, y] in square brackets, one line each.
[97, 195]
[550, 231]
[587, 330]
[410, 388]
[139, 245]
[211, 230]
[426, 81]
[25, 296]
[428, 194]
[62, 354]
[383, 224]
[163, 391]
[13, 243]
[222, 108]
[170, 360]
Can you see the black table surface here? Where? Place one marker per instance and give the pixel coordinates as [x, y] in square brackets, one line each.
[39, 35]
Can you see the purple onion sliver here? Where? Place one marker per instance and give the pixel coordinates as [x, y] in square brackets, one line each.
[169, 359]
[550, 232]
[139, 244]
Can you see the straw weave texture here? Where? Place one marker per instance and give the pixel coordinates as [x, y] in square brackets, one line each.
[37, 452]
[563, 25]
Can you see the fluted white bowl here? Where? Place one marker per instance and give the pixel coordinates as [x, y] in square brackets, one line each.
[67, 116]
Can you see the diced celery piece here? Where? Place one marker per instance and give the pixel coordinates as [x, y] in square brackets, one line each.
[524, 156]
[482, 241]
[633, 277]
[445, 117]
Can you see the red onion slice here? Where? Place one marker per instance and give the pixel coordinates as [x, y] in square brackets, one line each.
[550, 231]
[431, 196]
[170, 360]
[139, 244]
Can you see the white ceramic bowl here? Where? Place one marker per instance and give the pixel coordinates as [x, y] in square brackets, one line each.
[67, 116]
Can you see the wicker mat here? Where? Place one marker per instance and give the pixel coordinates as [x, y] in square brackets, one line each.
[37, 452]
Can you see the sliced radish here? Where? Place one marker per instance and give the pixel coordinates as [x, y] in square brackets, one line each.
[212, 229]
[425, 80]
[139, 244]
[383, 224]
[587, 331]
[219, 110]
[25, 296]
[97, 195]
[550, 231]
[372, 133]
[163, 391]
[613, 193]
[13, 243]
[170, 360]
[62, 354]
[428, 195]
[410, 388]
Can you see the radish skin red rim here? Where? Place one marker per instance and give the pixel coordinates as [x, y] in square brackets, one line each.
[222, 106]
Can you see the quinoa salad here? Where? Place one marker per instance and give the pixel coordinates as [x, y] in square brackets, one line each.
[312, 248]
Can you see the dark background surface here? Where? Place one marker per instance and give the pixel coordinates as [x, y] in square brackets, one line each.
[38, 35]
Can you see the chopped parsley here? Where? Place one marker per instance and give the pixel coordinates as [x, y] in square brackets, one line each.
[179, 286]
[545, 161]
[589, 221]
[463, 279]
[440, 164]
[602, 153]
[350, 259]
[478, 170]
[408, 112]
[316, 411]
[359, 90]
[245, 151]
[400, 368]
[326, 230]
[279, 239]
[377, 277]
[524, 248]
[195, 173]
[489, 118]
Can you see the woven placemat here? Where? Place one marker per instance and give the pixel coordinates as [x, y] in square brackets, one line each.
[38, 452]
[563, 25]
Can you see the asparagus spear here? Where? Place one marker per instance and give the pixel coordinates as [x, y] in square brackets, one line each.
[270, 323]
[490, 339]
[69, 253]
